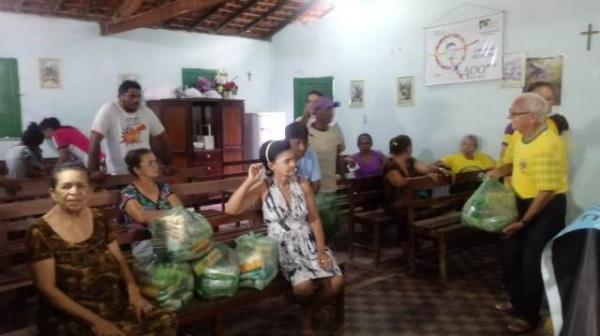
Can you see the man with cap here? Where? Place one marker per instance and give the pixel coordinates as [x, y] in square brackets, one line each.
[307, 162]
[328, 143]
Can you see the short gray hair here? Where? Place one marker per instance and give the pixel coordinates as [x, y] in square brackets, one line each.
[534, 103]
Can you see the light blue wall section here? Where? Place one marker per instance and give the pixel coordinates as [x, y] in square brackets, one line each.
[91, 64]
[384, 39]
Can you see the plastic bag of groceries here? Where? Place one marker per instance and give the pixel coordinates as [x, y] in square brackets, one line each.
[181, 235]
[218, 273]
[491, 207]
[259, 260]
[169, 285]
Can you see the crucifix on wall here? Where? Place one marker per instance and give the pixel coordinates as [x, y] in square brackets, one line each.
[589, 34]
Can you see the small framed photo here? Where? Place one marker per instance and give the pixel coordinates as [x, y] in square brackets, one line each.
[50, 76]
[357, 93]
[405, 91]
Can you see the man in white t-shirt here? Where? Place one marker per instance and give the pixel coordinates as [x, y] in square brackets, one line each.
[125, 125]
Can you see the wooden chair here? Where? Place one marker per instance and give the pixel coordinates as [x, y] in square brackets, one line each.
[366, 208]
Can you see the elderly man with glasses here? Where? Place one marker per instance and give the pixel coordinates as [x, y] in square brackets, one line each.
[537, 162]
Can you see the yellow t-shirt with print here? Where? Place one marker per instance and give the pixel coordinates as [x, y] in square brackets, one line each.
[509, 136]
[539, 164]
[458, 163]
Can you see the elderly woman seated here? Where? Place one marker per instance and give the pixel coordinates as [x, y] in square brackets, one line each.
[145, 199]
[85, 283]
[468, 159]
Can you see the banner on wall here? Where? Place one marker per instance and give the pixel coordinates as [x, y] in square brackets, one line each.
[466, 51]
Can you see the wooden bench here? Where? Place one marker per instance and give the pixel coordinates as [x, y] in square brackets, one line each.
[366, 199]
[438, 218]
[213, 310]
[15, 219]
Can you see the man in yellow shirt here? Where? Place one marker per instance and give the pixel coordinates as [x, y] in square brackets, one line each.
[538, 164]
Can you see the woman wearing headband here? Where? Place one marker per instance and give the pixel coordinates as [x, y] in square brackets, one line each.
[292, 218]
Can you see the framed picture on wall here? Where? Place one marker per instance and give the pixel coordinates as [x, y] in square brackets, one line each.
[405, 91]
[357, 93]
[50, 76]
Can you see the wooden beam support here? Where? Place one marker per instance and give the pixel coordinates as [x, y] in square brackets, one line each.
[206, 15]
[265, 15]
[127, 8]
[294, 16]
[19, 6]
[235, 15]
[53, 6]
[157, 15]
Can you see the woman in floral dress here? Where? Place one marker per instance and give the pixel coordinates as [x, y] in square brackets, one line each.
[85, 284]
[292, 218]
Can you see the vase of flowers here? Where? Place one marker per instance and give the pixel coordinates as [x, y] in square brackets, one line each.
[229, 89]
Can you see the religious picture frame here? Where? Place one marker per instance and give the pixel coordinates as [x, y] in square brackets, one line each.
[50, 74]
[546, 69]
[357, 93]
[513, 70]
[405, 91]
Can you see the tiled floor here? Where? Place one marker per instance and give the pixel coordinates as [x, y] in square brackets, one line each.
[393, 302]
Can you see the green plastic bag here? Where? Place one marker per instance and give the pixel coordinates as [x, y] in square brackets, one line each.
[218, 273]
[329, 214]
[181, 235]
[169, 285]
[259, 260]
[491, 207]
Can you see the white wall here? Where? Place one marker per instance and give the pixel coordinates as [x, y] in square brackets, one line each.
[384, 39]
[91, 64]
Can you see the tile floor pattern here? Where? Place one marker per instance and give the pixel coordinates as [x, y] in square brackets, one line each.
[392, 302]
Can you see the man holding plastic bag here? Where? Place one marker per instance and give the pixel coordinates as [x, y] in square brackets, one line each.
[538, 164]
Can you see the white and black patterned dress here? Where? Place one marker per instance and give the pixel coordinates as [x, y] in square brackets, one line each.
[298, 257]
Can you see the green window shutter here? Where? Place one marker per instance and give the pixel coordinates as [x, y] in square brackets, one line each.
[10, 100]
[189, 77]
[302, 86]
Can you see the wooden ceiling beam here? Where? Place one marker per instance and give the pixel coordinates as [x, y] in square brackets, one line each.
[127, 8]
[205, 16]
[235, 15]
[157, 15]
[303, 9]
[18, 6]
[53, 6]
[259, 19]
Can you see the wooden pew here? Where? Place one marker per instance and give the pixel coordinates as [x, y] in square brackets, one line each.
[438, 218]
[15, 219]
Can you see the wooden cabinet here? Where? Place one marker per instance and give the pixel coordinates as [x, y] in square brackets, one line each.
[188, 120]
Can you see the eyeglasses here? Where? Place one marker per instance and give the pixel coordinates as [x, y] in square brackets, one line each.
[512, 114]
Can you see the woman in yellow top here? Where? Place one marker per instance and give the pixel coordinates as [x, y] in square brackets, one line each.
[468, 159]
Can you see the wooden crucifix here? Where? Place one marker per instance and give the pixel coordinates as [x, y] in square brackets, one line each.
[589, 34]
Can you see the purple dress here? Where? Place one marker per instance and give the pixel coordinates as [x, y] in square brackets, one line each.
[371, 167]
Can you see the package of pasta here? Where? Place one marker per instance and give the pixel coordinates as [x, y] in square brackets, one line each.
[491, 207]
[181, 235]
[218, 273]
[259, 260]
[169, 285]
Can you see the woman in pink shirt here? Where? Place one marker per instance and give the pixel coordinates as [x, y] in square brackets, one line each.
[70, 143]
